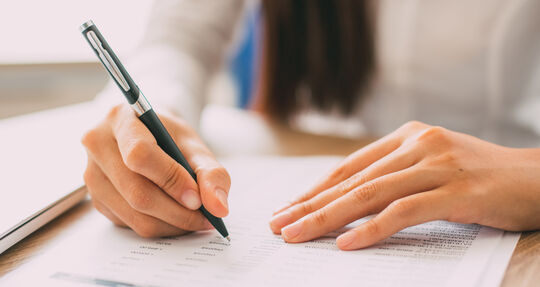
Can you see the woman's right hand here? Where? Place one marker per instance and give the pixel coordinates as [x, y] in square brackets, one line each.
[136, 184]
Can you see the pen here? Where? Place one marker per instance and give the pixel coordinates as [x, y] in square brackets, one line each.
[142, 108]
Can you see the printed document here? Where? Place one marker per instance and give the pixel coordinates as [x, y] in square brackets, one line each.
[439, 253]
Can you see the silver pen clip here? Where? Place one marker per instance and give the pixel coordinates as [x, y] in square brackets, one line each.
[110, 65]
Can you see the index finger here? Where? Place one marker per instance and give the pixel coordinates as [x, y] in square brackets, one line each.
[141, 154]
[352, 164]
[212, 178]
[402, 213]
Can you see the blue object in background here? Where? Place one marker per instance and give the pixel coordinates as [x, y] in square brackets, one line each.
[244, 65]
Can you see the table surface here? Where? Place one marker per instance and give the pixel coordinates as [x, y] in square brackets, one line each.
[523, 269]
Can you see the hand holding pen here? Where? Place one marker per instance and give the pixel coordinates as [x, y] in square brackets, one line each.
[137, 175]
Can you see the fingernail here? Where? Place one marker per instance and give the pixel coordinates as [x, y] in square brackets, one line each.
[345, 239]
[291, 231]
[280, 220]
[190, 199]
[222, 197]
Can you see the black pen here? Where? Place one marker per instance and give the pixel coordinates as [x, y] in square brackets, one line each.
[142, 108]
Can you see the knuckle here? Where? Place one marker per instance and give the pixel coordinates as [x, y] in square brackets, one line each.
[114, 111]
[446, 159]
[139, 199]
[357, 180]
[449, 158]
[220, 173]
[320, 217]
[91, 138]
[372, 227]
[365, 193]
[301, 198]
[215, 171]
[305, 207]
[344, 187]
[341, 171]
[213, 175]
[433, 135]
[173, 178]
[137, 154]
[412, 126]
[402, 208]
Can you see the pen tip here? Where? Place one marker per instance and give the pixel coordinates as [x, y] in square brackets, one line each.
[228, 238]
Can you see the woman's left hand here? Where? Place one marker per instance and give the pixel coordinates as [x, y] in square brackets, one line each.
[417, 174]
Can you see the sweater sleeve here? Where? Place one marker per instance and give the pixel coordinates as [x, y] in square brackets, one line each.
[184, 44]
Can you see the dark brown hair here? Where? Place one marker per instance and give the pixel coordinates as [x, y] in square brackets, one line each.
[325, 46]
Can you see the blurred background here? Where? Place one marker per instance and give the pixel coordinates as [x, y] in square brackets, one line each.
[46, 63]
[44, 60]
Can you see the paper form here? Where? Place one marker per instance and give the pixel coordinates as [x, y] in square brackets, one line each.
[433, 254]
[493, 275]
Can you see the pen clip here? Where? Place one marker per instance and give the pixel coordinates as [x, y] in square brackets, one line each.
[107, 60]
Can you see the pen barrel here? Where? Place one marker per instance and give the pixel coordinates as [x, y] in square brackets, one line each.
[164, 139]
[167, 144]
